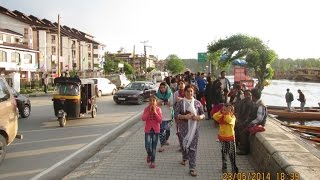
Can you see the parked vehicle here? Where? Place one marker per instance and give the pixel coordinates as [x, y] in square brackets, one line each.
[120, 80]
[136, 92]
[104, 86]
[8, 117]
[23, 104]
[73, 98]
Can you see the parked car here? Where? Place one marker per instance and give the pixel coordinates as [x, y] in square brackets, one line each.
[8, 117]
[23, 104]
[120, 80]
[104, 86]
[135, 92]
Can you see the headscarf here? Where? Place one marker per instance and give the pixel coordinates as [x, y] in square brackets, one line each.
[166, 95]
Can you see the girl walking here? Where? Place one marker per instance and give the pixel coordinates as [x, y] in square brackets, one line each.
[226, 119]
[152, 117]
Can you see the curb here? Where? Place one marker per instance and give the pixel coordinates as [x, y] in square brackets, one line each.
[68, 164]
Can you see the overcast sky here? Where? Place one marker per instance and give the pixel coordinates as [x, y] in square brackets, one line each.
[186, 27]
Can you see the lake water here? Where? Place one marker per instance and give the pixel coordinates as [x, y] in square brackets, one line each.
[274, 94]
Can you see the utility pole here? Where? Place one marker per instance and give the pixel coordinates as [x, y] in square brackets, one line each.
[58, 45]
[145, 52]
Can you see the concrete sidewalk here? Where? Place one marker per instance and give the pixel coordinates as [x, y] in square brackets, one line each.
[125, 158]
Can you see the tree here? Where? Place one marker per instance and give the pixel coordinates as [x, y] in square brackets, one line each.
[149, 69]
[175, 64]
[109, 65]
[128, 69]
[252, 49]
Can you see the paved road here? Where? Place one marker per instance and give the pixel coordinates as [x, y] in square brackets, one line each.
[45, 143]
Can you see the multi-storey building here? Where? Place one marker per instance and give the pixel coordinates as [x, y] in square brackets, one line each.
[39, 38]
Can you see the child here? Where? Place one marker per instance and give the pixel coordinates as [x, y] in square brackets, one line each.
[152, 116]
[226, 119]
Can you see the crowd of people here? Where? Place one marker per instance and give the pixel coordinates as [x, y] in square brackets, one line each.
[189, 98]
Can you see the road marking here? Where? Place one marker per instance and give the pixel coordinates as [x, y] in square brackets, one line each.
[44, 151]
[66, 128]
[57, 139]
[20, 173]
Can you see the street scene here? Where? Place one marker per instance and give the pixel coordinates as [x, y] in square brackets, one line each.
[159, 90]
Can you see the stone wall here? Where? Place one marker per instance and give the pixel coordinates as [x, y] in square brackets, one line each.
[277, 151]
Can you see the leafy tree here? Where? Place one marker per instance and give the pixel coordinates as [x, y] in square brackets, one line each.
[128, 69]
[175, 64]
[109, 65]
[149, 69]
[252, 49]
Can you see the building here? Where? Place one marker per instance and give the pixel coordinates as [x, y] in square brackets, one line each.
[37, 39]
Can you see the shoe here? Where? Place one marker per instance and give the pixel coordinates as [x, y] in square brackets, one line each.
[152, 165]
[161, 149]
[241, 153]
[148, 159]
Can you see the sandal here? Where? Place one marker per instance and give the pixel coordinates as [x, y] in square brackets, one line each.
[183, 162]
[193, 172]
[161, 149]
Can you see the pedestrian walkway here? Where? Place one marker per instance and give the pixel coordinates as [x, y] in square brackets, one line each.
[128, 161]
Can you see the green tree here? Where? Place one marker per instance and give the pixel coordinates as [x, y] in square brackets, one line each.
[252, 49]
[109, 65]
[149, 69]
[175, 64]
[128, 69]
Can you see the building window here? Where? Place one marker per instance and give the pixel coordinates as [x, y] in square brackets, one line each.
[54, 50]
[3, 56]
[28, 59]
[89, 55]
[53, 39]
[17, 40]
[95, 56]
[1, 37]
[89, 47]
[26, 32]
[15, 57]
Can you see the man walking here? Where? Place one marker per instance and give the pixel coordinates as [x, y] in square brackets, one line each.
[289, 99]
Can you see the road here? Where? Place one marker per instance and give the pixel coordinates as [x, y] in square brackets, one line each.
[44, 143]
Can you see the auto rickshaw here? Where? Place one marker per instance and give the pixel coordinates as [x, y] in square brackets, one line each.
[72, 98]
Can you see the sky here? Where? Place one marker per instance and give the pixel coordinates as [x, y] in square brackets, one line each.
[185, 27]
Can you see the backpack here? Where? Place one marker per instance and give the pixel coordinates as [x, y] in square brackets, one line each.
[291, 97]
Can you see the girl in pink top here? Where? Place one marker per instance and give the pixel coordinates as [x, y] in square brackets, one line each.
[152, 117]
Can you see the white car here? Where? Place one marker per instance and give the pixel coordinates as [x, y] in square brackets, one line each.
[104, 86]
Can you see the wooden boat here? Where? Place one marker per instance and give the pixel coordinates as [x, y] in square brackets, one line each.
[296, 126]
[308, 109]
[295, 115]
[311, 138]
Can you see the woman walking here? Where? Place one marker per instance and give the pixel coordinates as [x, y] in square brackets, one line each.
[152, 116]
[165, 102]
[189, 112]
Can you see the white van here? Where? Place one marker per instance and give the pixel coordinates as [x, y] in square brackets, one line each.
[104, 86]
[159, 76]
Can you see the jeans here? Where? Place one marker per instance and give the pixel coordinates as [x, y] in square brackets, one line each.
[151, 141]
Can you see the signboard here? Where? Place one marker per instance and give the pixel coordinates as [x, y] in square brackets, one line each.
[120, 65]
[202, 57]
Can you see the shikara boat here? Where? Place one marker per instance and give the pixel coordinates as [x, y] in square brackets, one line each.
[304, 127]
[295, 115]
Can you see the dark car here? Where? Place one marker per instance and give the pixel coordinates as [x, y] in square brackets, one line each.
[135, 92]
[23, 104]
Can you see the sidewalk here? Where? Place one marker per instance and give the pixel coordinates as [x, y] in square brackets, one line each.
[125, 158]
